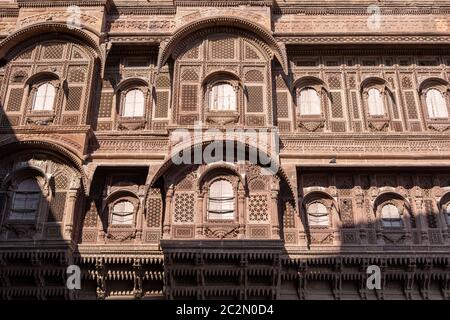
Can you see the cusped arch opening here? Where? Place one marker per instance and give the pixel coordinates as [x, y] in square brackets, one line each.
[262, 33]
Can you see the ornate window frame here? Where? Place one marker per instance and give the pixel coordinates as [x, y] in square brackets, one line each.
[378, 123]
[206, 188]
[443, 87]
[120, 197]
[123, 88]
[322, 90]
[317, 196]
[384, 92]
[13, 182]
[402, 210]
[446, 211]
[311, 122]
[42, 117]
[222, 117]
[327, 207]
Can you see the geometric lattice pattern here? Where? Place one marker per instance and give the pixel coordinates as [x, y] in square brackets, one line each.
[411, 104]
[406, 82]
[184, 208]
[53, 52]
[257, 185]
[336, 108]
[74, 98]
[355, 105]
[250, 54]
[254, 76]
[90, 219]
[61, 182]
[77, 74]
[154, 207]
[335, 82]
[222, 49]
[106, 101]
[192, 54]
[258, 208]
[255, 99]
[57, 205]
[347, 213]
[189, 75]
[162, 104]
[282, 104]
[15, 99]
[188, 97]
[289, 215]
[280, 83]
[163, 82]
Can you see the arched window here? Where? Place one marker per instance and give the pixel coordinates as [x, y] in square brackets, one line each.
[375, 102]
[390, 216]
[318, 214]
[447, 214]
[221, 200]
[122, 213]
[134, 104]
[309, 102]
[26, 201]
[44, 97]
[436, 106]
[222, 98]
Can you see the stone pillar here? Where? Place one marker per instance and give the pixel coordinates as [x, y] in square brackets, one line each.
[200, 211]
[70, 207]
[242, 214]
[140, 214]
[275, 221]
[168, 213]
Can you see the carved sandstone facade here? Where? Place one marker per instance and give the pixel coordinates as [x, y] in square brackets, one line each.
[92, 93]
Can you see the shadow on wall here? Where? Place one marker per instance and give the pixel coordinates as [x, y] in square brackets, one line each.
[394, 219]
[349, 220]
[37, 185]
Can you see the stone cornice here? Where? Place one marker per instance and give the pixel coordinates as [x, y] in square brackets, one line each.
[62, 3]
[145, 10]
[222, 3]
[372, 39]
[361, 10]
[9, 11]
[368, 50]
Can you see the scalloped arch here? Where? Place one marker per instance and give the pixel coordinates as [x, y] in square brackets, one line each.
[58, 149]
[21, 35]
[168, 163]
[278, 51]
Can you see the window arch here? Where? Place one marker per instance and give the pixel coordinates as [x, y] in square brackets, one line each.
[447, 213]
[44, 97]
[134, 104]
[26, 200]
[375, 102]
[318, 215]
[309, 102]
[436, 105]
[222, 97]
[221, 200]
[122, 213]
[390, 216]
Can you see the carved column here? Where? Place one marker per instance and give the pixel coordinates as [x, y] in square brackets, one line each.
[72, 196]
[275, 222]
[242, 213]
[166, 224]
[200, 211]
